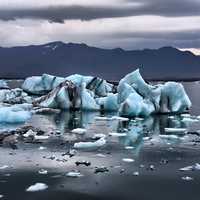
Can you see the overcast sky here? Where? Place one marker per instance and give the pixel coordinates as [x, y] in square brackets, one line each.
[129, 24]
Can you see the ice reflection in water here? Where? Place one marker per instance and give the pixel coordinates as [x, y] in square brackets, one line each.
[135, 129]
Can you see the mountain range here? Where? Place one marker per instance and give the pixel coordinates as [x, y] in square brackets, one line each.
[63, 59]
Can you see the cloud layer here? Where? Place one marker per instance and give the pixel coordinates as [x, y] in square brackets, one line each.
[128, 24]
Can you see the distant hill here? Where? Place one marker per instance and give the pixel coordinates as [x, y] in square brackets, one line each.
[64, 59]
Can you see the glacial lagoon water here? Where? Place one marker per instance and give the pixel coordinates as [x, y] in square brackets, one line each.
[143, 162]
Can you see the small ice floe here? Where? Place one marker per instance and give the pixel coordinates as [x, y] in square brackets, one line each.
[171, 130]
[84, 145]
[1, 196]
[120, 118]
[74, 174]
[14, 115]
[129, 147]
[117, 134]
[101, 155]
[128, 160]
[101, 169]
[37, 187]
[169, 137]
[151, 167]
[135, 173]
[79, 131]
[139, 119]
[146, 138]
[187, 119]
[4, 167]
[41, 137]
[43, 171]
[171, 117]
[187, 178]
[42, 148]
[102, 119]
[196, 166]
[186, 115]
[188, 168]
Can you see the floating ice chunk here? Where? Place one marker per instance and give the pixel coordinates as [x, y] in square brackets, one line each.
[186, 115]
[129, 147]
[146, 138]
[137, 98]
[43, 171]
[128, 160]
[13, 115]
[120, 118]
[169, 137]
[40, 85]
[84, 145]
[3, 84]
[118, 134]
[4, 167]
[37, 187]
[188, 168]
[78, 79]
[196, 166]
[178, 101]
[99, 86]
[136, 173]
[87, 100]
[172, 130]
[41, 137]
[187, 119]
[101, 155]
[102, 118]
[145, 90]
[108, 103]
[42, 148]
[14, 96]
[1, 196]
[74, 174]
[136, 105]
[187, 178]
[79, 131]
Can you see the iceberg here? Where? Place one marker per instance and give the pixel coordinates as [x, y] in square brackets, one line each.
[14, 114]
[137, 98]
[40, 85]
[174, 98]
[108, 103]
[133, 97]
[14, 96]
[3, 85]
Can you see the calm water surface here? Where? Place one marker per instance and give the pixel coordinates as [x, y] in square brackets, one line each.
[156, 159]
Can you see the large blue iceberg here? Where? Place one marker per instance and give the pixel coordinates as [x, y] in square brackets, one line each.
[131, 97]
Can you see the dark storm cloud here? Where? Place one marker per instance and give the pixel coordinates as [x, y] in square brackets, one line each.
[169, 8]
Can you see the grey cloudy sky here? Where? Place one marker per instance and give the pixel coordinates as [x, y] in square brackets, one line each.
[130, 24]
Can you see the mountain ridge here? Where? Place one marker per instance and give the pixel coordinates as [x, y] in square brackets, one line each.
[63, 59]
